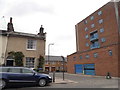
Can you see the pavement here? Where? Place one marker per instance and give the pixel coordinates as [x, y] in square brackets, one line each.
[61, 81]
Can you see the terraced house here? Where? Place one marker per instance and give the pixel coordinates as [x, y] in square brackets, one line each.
[31, 45]
[98, 43]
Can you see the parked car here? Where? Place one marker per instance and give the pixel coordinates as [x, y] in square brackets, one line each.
[22, 74]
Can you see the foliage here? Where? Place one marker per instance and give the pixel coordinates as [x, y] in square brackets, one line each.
[41, 61]
[18, 56]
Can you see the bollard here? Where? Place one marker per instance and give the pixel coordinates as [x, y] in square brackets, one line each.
[53, 76]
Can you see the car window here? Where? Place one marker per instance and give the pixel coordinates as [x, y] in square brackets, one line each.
[4, 70]
[27, 71]
[15, 70]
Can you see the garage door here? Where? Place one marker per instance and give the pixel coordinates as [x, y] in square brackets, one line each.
[89, 69]
[78, 68]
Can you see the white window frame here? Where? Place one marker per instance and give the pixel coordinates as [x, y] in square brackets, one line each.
[34, 45]
[28, 62]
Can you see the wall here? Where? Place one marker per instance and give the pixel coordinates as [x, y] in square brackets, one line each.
[19, 44]
[103, 63]
[3, 44]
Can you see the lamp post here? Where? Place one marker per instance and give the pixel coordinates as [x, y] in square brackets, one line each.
[49, 54]
[63, 67]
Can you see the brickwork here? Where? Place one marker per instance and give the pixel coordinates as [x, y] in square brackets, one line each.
[103, 62]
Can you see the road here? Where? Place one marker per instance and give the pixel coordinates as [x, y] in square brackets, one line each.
[76, 81]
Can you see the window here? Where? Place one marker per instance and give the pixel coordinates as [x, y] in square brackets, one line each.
[103, 39]
[110, 53]
[46, 62]
[92, 25]
[100, 12]
[74, 58]
[101, 30]
[93, 36]
[87, 44]
[100, 21]
[95, 45]
[31, 44]
[53, 62]
[87, 56]
[15, 70]
[27, 71]
[92, 17]
[4, 69]
[30, 62]
[95, 55]
[86, 29]
[86, 36]
[80, 57]
[85, 21]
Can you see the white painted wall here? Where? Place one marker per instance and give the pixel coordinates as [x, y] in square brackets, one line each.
[3, 44]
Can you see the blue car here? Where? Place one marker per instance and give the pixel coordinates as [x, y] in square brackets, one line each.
[22, 75]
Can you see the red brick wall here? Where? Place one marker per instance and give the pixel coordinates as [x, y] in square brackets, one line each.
[104, 63]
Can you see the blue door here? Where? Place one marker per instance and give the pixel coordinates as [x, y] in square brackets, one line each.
[89, 69]
[78, 68]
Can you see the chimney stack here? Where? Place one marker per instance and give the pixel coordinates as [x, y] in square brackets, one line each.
[10, 27]
[41, 30]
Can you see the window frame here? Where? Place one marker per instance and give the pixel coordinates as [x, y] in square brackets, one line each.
[87, 56]
[34, 45]
[95, 55]
[100, 21]
[110, 52]
[92, 18]
[99, 13]
[92, 25]
[102, 30]
[28, 62]
[103, 40]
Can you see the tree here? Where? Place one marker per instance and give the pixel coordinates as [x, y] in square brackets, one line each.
[18, 57]
[41, 61]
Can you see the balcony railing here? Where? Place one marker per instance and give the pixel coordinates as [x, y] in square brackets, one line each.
[93, 46]
[93, 38]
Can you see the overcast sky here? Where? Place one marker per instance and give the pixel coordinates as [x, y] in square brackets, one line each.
[58, 18]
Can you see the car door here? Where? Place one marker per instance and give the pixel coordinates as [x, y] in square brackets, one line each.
[28, 75]
[14, 74]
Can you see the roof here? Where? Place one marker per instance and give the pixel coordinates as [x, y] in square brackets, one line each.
[21, 34]
[55, 58]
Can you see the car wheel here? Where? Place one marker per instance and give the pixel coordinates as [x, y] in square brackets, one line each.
[42, 82]
[2, 84]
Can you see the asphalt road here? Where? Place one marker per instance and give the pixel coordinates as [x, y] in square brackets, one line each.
[79, 81]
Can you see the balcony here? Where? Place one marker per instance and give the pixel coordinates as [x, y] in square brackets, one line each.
[94, 37]
[93, 46]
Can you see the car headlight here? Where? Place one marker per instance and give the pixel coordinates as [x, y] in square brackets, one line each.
[49, 77]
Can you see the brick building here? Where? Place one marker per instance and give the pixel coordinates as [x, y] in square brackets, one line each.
[98, 43]
[31, 45]
[55, 63]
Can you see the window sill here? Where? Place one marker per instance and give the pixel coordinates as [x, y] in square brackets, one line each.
[31, 49]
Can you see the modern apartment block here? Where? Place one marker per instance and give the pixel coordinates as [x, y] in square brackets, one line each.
[55, 63]
[98, 43]
[31, 45]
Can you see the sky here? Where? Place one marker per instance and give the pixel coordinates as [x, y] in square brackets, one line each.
[58, 18]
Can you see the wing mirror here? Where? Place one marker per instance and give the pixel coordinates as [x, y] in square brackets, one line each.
[34, 73]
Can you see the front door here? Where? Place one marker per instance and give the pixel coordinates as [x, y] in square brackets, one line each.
[9, 62]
